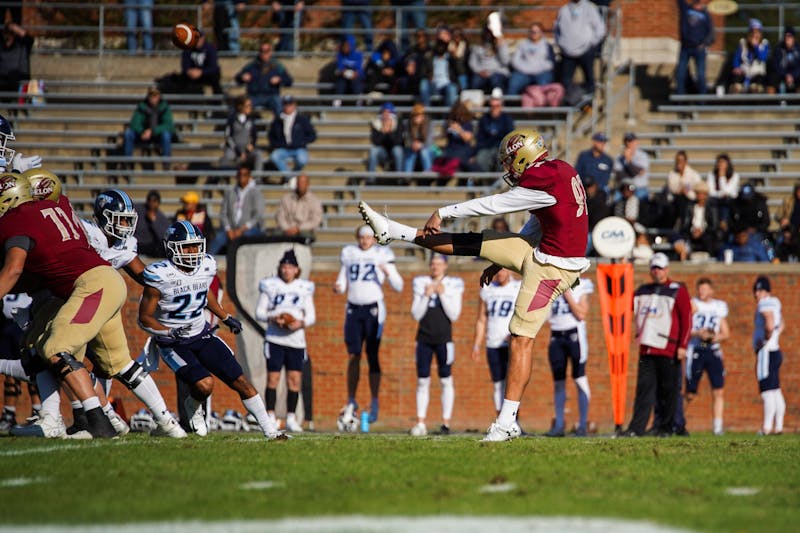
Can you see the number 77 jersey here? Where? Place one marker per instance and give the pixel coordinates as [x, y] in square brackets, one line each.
[183, 294]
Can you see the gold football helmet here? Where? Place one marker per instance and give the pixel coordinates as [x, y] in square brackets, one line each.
[44, 184]
[518, 150]
[14, 190]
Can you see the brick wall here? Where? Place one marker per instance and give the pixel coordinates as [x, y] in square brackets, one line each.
[474, 408]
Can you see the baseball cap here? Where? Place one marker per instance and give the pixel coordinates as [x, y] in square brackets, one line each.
[627, 183]
[365, 231]
[659, 260]
[629, 136]
[762, 284]
[190, 197]
[288, 99]
[600, 137]
[789, 30]
[387, 106]
[755, 24]
[288, 258]
[497, 94]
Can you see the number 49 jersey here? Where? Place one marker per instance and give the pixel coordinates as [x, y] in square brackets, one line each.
[183, 294]
[499, 300]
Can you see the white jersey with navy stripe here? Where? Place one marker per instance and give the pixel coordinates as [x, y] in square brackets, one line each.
[708, 315]
[770, 304]
[183, 294]
[561, 317]
[361, 274]
[499, 301]
[278, 297]
[120, 254]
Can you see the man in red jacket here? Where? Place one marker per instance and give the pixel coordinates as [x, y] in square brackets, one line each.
[663, 312]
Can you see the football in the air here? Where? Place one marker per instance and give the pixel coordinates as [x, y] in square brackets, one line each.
[185, 36]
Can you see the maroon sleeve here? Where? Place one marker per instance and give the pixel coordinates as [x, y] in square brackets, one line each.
[683, 305]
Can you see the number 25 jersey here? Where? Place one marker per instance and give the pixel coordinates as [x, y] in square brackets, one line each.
[183, 294]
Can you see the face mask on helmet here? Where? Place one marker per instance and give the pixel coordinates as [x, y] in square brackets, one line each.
[6, 135]
[185, 245]
[14, 190]
[519, 150]
[115, 214]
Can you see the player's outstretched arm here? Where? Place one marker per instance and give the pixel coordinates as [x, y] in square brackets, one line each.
[12, 269]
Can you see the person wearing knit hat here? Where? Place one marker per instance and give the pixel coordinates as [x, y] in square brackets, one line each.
[766, 334]
[196, 213]
[785, 65]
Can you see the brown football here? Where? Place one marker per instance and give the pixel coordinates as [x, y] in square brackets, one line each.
[185, 36]
[288, 319]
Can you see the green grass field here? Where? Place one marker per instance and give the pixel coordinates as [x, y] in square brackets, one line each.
[730, 483]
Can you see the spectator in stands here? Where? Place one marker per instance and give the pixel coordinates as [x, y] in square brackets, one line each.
[633, 163]
[492, 127]
[500, 225]
[596, 204]
[698, 224]
[226, 23]
[386, 137]
[417, 140]
[488, 62]
[151, 123]
[199, 68]
[697, 34]
[349, 74]
[152, 226]
[409, 80]
[410, 17]
[459, 50]
[749, 210]
[532, 62]
[242, 212]
[627, 207]
[746, 247]
[287, 14]
[595, 163]
[723, 186]
[789, 215]
[442, 77]
[264, 77]
[355, 9]
[13, 10]
[240, 136]
[289, 136]
[196, 213]
[749, 64]
[15, 53]
[579, 30]
[458, 152]
[421, 51]
[787, 249]
[139, 14]
[784, 68]
[383, 66]
[681, 181]
[300, 211]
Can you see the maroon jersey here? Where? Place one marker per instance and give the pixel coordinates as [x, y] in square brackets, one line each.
[565, 225]
[61, 253]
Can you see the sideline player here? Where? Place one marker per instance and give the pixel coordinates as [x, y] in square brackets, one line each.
[709, 328]
[436, 305]
[10, 159]
[568, 342]
[364, 269]
[175, 295]
[766, 335]
[494, 314]
[285, 341]
[553, 190]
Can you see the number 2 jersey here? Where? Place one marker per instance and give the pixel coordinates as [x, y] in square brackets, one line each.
[119, 254]
[708, 315]
[278, 297]
[499, 300]
[59, 251]
[183, 294]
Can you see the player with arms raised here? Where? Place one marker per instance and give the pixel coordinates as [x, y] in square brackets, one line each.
[364, 269]
[552, 190]
[175, 295]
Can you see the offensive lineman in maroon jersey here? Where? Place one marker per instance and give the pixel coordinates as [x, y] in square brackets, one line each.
[550, 189]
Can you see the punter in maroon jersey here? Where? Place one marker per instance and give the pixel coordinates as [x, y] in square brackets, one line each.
[552, 191]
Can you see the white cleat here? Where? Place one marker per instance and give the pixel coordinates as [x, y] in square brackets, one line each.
[120, 426]
[498, 433]
[170, 428]
[419, 430]
[292, 425]
[378, 223]
[197, 420]
[44, 426]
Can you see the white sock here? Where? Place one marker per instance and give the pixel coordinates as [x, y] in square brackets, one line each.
[48, 392]
[36, 406]
[255, 406]
[717, 425]
[423, 396]
[191, 405]
[108, 409]
[13, 368]
[780, 410]
[11, 408]
[508, 413]
[401, 231]
[448, 397]
[76, 404]
[90, 403]
[769, 410]
[149, 394]
[497, 396]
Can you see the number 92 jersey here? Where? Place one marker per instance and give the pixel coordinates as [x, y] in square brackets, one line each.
[183, 294]
[362, 275]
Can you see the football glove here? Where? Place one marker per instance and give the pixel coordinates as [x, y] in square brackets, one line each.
[234, 324]
[180, 331]
[21, 163]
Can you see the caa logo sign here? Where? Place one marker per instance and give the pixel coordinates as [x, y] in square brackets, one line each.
[613, 237]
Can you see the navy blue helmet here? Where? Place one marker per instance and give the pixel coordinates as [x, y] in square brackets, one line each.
[115, 214]
[6, 135]
[181, 236]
